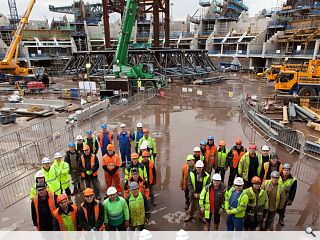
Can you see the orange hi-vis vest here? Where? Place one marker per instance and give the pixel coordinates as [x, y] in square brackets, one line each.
[236, 157]
[142, 188]
[52, 206]
[96, 213]
[185, 168]
[111, 162]
[151, 178]
[60, 220]
[210, 151]
[92, 164]
[100, 137]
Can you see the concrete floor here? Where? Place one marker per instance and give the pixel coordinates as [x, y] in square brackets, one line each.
[179, 122]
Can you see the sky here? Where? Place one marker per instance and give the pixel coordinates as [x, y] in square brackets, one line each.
[180, 8]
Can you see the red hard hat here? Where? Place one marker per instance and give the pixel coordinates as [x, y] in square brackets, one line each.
[61, 197]
[145, 130]
[256, 180]
[252, 146]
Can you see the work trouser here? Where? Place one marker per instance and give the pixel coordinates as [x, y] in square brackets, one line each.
[151, 192]
[76, 179]
[221, 171]
[187, 198]
[232, 175]
[93, 182]
[282, 211]
[115, 228]
[115, 179]
[251, 223]
[103, 150]
[136, 228]
[234, 224]
[194, 203]
[125, 153]
[270, 220]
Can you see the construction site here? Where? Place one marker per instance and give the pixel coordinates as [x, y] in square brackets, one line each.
[222, 74]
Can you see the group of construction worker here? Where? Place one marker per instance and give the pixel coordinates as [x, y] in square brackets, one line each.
[126, 204]
[259, 186]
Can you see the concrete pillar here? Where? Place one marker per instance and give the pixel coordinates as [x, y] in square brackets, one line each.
[264, 45]
[248, 50]
[250, 63]
[237, 48]
[316, 49]
[221, 48]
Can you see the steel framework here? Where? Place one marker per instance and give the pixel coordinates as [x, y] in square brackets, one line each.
[166, 62]
[14, 18]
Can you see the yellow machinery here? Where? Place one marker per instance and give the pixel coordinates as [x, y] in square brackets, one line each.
[304, 82]
[276, 69]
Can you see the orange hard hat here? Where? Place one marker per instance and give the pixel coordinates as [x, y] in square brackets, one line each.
[222, 143]
[61, 197]
[256, 180]
[145, 154]
[86, 147]
[88, 192]
[145, 130]
[238, 141]
[134, 155]
[110, 147]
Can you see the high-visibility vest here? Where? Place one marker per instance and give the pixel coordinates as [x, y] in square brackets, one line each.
[62, 174]
[60, 219]
[94, 139]
[204, 181]
[92, 161]
[136, 210]
[221, 158]
[210, 151]
[266, 170]
[96, 213]
[52, 206]
[185, 168]
[142, 188]
[204, 201]
[151, 178]
[240, 210]
[287, 185]
[254, 206]
[51, 181]
[236, 157]
[151, 144]
[100, 137]
[279, 190]
[110, 162]
[243, 168]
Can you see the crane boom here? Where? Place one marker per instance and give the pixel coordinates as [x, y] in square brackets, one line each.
[6, 63]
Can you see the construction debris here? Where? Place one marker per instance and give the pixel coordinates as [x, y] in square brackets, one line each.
[34, 108]
[306, 115]
[314, 125]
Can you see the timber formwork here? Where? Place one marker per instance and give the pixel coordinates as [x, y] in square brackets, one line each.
[166, 62]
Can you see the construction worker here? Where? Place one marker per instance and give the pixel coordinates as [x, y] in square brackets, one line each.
[65, 216]
[197, 154]
[138, 208]
[211, 150]
[151, 142]
[152, 175]
[42, 206]
[233, 159]
[79, 144]
[290, 188]
[72, 157]
[91, 213]
[197, 180]
[137, 135]
[124, 137]
[135, 164]
[277, 198]
[220, 165]
[92, 142]
[116, 212]
[235, 204]
[272, 165]
[144, 148]
[47, 176]
[62, 173]
[257, 206]
[203, 146]
[139, 84]
[265, 151]
[250, 165]
[89, 170]
[186, 169]
[211, 201]
[111, 163]
[143, 186]
[105, 138]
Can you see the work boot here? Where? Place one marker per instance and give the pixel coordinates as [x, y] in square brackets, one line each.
[153, 202]
[215, 227]
[258, 228]
[281, 222]
[206, 227]
[188, 217]
[186, 207]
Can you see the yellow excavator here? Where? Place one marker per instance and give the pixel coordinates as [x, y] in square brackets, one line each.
[9, 67]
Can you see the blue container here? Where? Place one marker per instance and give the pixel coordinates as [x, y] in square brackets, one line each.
[74, 92]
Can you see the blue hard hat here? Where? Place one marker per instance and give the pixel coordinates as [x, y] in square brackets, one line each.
[71, 144]
[89, 132]
[104, 126]
[203, 142]
[210, 138]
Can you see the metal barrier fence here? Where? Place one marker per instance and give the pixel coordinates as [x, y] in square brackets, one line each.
[272, 129]
[19, 164]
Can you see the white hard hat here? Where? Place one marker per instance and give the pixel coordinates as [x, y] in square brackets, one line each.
[111, 190]
[145, 235]
[216, 177]
[39, 174]
[238, 181]
[144, 145]
[58, 155]
[45, 160]
[196, 149]
[182, 235]
[265, 148]
[79, 137]
[122, 125]
[199, 163]
[139, 124]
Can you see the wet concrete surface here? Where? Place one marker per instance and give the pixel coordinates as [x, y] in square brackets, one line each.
[179, 121]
